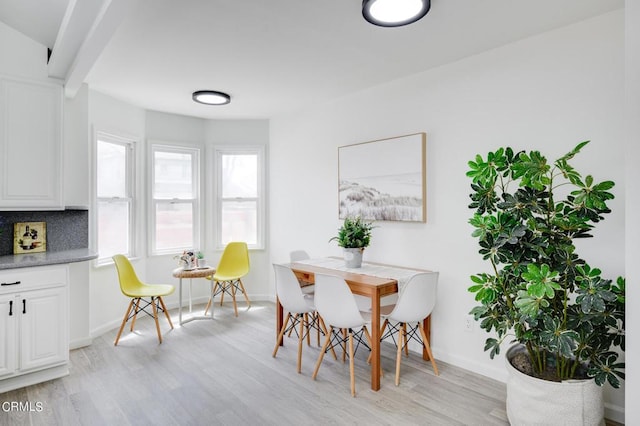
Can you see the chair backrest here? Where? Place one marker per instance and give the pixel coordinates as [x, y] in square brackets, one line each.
[129, 281]
[335, 302]
[289, 292]
[234, 262]
[417, 298]
[296, 255]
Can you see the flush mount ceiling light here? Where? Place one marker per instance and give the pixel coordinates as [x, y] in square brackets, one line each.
[211, 97]
[394, 13]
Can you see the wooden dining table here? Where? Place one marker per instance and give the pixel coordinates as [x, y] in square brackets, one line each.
[370, 286]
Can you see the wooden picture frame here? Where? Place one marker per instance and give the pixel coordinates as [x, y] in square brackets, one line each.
[384, 179]
[29, 237]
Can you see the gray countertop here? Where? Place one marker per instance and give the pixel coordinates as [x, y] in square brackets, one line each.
[46, 258]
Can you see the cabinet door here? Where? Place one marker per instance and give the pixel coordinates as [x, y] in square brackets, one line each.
[7, 334]
[44, 334]
[30, 145]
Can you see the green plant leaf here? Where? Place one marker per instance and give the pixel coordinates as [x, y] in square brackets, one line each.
[493, 345]
[532, 170]
[541, 281]
[558, 338]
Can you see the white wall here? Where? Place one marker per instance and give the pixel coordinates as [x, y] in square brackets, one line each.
[632, 152]
[548, 92]
[21, 56]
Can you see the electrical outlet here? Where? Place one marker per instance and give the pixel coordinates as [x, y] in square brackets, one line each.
[468, 323]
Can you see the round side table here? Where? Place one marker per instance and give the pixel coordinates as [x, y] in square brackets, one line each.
[181, 273]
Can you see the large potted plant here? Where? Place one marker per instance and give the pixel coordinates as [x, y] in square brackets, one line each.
[567, 320]
[353, 236]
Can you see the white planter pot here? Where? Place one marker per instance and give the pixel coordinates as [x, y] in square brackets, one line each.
[353, 257]
[532, 401]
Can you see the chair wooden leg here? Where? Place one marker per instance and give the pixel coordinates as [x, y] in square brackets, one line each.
[427, 346]
[316, 318]
[322, 350]
[166, 313]
[222, 287]
[233, 297]
[303, 324]
[352, 375]
[155, 317]
[406, 341]
[124, 321]
[280, 334]
[244, 292]
[135, 313]
[326, 333]
[306, 320]
[401, 338]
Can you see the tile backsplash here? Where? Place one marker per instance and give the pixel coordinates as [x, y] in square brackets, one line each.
[66, 229]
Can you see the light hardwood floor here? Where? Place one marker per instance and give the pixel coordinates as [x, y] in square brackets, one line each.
[221, 372]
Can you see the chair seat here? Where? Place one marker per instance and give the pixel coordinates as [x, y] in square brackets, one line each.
[386, 310]
[150, 290]
[224, 277]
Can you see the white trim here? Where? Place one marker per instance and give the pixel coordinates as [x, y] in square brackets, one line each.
[195, 201]
[131, 145]
[214, 203]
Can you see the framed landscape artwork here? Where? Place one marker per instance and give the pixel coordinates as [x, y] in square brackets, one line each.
[29, 237]
[384, 179]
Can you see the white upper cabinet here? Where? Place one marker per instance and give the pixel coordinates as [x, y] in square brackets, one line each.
[30, 145]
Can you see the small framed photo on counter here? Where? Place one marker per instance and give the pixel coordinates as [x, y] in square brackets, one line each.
[29, 237]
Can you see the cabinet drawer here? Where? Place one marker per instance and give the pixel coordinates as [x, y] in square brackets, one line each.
[17, 280]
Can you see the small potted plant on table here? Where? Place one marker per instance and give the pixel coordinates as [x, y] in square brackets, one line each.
[201, 262]
[353, 236]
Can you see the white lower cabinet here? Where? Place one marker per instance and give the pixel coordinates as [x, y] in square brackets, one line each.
[34, 326]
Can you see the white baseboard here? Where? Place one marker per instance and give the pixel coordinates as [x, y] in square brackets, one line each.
[80, 343]
[614, 412]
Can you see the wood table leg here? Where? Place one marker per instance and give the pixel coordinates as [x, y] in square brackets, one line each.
[375, 341]
[279, 319]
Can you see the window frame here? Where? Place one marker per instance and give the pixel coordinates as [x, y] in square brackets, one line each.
[215, 165]
[195, 201]
[130, 145]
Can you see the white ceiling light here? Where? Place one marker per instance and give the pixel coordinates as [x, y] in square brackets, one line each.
[211, 97]
[394, 13]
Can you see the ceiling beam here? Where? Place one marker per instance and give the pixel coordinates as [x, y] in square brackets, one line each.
[86, 29]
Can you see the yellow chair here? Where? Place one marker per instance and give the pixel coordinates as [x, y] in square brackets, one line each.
[233, 265]
[132, 287]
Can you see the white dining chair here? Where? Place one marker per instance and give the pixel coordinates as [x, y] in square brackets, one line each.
[415, 303]
[300, 310]
[295, 256]
[337, 307]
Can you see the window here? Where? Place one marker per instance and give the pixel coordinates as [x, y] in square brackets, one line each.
[239, 189]
[175, 201]
[114, 192]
